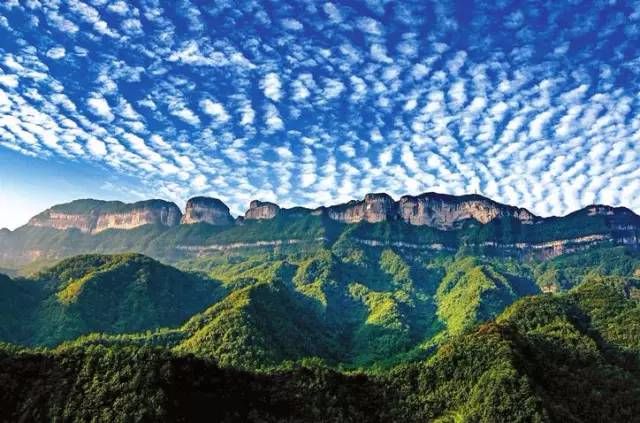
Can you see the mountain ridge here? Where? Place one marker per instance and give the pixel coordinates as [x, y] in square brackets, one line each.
[94, 216]
[433, 209]
[428, 222]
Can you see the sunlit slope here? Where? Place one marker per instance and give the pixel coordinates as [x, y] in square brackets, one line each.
[110, 294]
[553, 357]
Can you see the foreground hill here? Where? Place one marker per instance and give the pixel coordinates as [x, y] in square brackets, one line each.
[353, 306]
[109, 294]
[563, 357]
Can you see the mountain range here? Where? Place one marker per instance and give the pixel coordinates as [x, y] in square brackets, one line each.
[428, 221]
[434, 307]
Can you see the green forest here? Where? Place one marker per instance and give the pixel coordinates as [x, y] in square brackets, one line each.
[347, 333]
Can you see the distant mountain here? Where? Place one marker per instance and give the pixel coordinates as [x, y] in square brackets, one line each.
[426, 222]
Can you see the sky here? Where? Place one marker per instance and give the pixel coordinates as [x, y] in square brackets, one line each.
[531, 103]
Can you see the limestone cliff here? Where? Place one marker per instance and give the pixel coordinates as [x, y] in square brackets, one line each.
[430, 209]
[94, 216]
[521, 234]
[207, 210]
[261, 210]
[374, 208]
[448, 211]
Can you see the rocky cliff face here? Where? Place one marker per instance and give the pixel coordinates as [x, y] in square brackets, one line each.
[447, 211]
[207, 210]
[93, 216]
[527, 234]
[430, 209]
[374, 208]
[261, 210]
[85, 222]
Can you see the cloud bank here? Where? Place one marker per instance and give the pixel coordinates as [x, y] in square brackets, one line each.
[304, 102]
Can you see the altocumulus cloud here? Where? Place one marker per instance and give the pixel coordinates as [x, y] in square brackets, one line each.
[306, 102]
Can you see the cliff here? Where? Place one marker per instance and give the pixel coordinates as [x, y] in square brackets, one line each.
[425, 222]
[448, 211]
[430, 209]
[261, 210]
[207, 210]
[374, 208]
[94, 216]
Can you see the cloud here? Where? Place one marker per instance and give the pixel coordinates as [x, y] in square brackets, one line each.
[215, 110]
[317, 102]
[99, 106]
[56, 53]
[333, 88]
[119, 7]
[332, 12]
[186, 115]
[96, 147]
[369, 25]
[292, 24]
[247, 114]
[271, 86]
[9, 81]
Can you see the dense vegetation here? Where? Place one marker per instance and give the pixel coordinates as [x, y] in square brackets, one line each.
[30, 244]
[563, 357]
[348, 333]
[352, 306]
[109, 294]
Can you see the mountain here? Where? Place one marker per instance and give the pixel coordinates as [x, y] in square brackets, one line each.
[206, 210]
[477, 312]
[430, 209]
[94, 216]
[428, 222]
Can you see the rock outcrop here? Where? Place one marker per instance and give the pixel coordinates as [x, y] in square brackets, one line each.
[207, 210]
[429, 209]
[600, 210]
[448, 211]
[374, 208]
[261, 210]
[94, 216]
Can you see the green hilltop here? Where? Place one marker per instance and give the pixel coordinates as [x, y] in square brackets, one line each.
[350, 307]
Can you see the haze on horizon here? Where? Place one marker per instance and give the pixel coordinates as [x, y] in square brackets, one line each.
[533, 104]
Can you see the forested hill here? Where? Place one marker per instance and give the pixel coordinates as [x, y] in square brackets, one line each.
[564, 357]
[354, 306]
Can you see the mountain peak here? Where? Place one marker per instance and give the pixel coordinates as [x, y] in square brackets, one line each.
[207, 210]
[94, 216]
[262, 210]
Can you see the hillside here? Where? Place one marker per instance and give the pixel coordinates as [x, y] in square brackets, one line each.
[566, 357]
[109, 294]
[352, 306]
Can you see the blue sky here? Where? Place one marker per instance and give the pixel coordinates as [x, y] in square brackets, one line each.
[531, 103]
